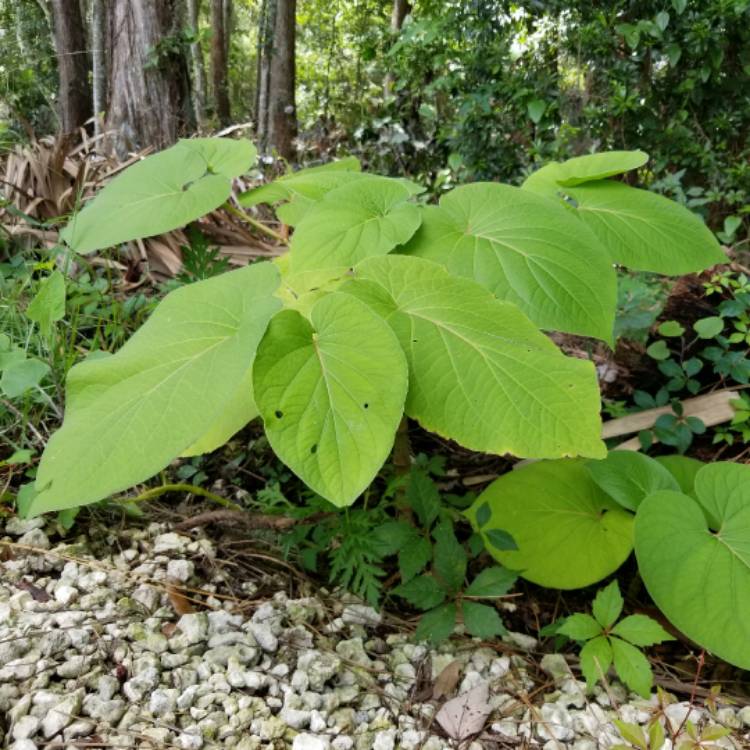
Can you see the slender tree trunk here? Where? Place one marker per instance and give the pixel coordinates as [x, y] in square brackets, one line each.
[98, 62]
[265, 52]
[74, 95]
[198, 67]
[282, 122]
[148, 81]
[219, 61]
[401, 9]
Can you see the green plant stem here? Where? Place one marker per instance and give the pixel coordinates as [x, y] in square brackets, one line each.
[253, 223]
[193, 489]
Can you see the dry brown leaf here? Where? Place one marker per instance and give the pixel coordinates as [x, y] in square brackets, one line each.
[179, 601]
[168, 629]
[466, 715]
[446, 681]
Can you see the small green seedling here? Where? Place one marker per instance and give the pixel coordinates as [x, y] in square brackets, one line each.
[607, 641]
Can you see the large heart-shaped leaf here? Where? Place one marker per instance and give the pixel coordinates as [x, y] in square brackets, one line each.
[683, 469]
[580, 169]
[645, 231]
[568, 531]
[160, 193]
[128, 415]
[527, 250]
[479, 371]
[694, 557]
[331, 393]
[364, 218]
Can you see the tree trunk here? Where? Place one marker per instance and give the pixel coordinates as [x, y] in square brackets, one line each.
[401, 8]
[148, 79]
[265, 50]
[74, 95]
[219, 59]
[198, 68]
[282, 122]
[98, 62]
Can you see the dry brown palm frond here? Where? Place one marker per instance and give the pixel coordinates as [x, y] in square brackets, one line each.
[45, 181]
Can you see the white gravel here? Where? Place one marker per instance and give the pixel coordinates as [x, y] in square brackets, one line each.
[93, 651]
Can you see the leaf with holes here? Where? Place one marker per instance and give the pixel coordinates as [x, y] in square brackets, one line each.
[694, 557]
[479, 371]
[569, 533]
[127, 416]
[331, 393]
[525, 249]
[162, 192]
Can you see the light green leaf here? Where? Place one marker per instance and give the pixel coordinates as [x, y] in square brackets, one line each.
[331, 393]
[536, 109]
[128, 415]
[48, 305]
[437, 624]
[628, 477]
[658, 350]
[607, 605]
[479, 371]
[239, 411]
[694, 557]
[311, 183]
[161, 192]
[683, 469]
[645, 231]
[482, 621]
[633, 734]
[525, 249]
[708, 328]
[492, 582]
[422, 592]
[641, 631]
[21, 376]
[362, 219]
[580, 627]
[581, 169]
[632, 667]
[670, 328]
[596, 659]
[569, 533]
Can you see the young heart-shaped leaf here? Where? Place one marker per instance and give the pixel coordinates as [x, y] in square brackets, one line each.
[331, 393]
[364, 218]
[479, 371]
[628, 477]
[683, 469]
[127, 416]
[22, 375]
[694, 557]
[160, 193]
[525, 249]
[645, 231]
[548, 179]
[569, 533]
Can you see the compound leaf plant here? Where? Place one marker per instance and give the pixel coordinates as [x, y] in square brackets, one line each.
[383, 307]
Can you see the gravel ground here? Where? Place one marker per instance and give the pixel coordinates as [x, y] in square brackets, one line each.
[95, 653]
